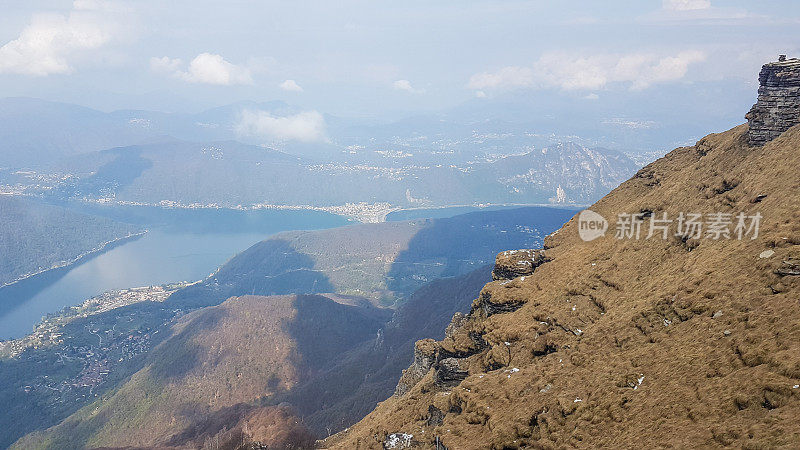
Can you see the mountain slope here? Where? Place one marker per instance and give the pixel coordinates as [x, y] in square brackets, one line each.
[288, 361]
[217, 358]
[351, 387]
[631, 342]
[36, 236]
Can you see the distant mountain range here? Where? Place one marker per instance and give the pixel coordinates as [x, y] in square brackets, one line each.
[228, 173]
[204, 159]
[38, 133]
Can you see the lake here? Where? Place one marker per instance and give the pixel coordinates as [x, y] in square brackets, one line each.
[182, 245]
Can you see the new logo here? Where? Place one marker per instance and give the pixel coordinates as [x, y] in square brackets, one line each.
[591, 225]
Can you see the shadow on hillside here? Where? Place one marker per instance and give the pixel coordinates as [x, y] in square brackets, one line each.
[121, 171]
[178, 355]
[270, 267]
[350, 387]
[453, 246]
[324, 329]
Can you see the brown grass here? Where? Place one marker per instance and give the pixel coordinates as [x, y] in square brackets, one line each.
[681, 344]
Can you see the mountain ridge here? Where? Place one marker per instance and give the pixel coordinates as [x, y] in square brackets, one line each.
[629, 342]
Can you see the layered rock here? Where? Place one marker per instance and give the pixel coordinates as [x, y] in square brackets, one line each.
[517, 263]
[778, 105]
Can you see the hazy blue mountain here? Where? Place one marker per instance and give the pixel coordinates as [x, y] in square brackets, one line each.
[38, 133]
[228, 173]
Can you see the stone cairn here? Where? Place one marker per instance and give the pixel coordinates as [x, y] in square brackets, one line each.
[778, 105]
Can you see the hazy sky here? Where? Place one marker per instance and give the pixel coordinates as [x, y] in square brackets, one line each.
[377, 58]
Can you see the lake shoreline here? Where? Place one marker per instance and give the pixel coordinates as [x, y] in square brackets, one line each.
[359, 212]
[104, 247]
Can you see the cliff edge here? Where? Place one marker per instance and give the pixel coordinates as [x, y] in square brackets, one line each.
[778, 105]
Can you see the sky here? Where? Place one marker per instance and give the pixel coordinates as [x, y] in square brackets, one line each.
[383, 59]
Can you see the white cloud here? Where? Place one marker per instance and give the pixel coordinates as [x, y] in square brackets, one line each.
[165, 65]
[568, 72]
[291, 86]
[480, 94]
[214, 69]
[686, 5]
[205, 68]
[308, 126]
[48, 44]
[505, 78]
[701, 10]
[405, 85]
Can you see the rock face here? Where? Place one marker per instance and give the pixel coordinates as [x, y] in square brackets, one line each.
[778, 106]
[517, 263]
[424, 358]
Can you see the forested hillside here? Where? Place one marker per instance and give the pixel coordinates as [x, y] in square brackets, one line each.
[35, 236]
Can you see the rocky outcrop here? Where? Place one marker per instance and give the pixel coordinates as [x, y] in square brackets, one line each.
[778, 106]
[517, 263]
[424, 358]
[448, 359]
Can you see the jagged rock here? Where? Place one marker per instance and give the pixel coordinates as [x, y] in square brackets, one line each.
[517, 263]
[456, 322]
[778, 105]
[449, 372]
[490, 307]
[424, 358]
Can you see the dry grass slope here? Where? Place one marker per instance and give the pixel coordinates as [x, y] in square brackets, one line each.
[632, 343]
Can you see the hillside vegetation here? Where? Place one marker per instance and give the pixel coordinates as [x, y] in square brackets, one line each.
[298, 366]
[621, 343]
[36, 236]
[218, 358]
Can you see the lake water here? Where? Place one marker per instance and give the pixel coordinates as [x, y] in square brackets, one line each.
[180, 246]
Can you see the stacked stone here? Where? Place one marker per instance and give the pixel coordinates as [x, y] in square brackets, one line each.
[778, 106]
